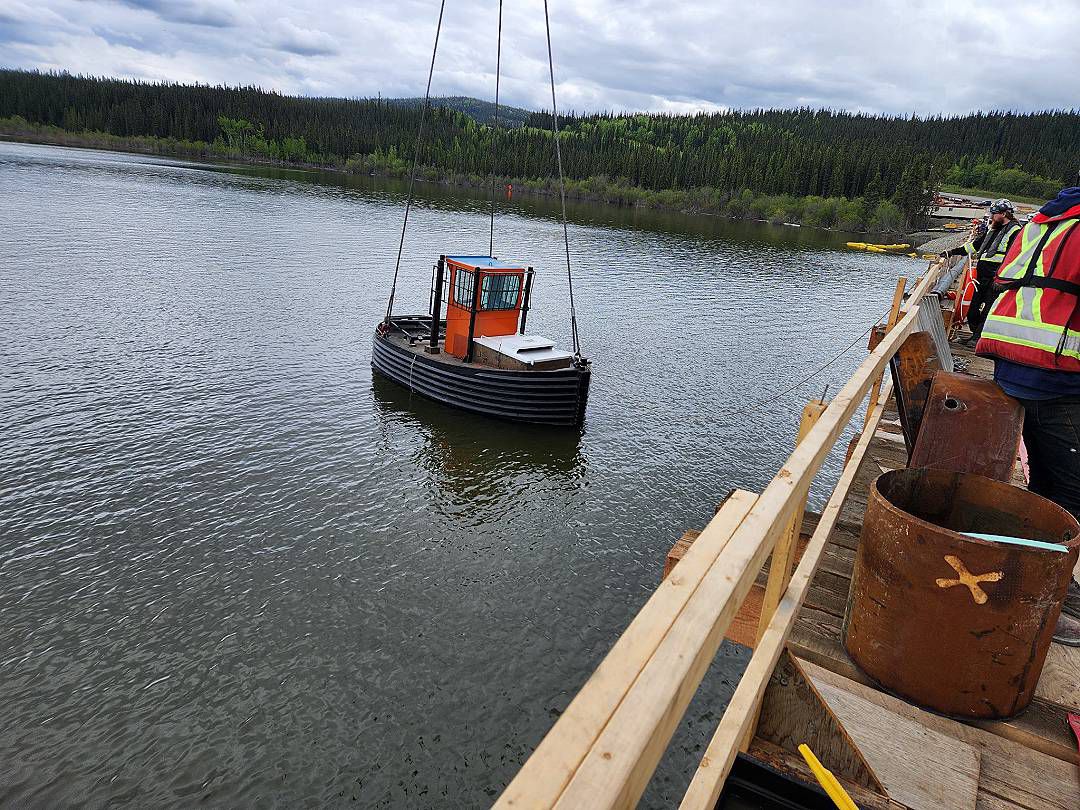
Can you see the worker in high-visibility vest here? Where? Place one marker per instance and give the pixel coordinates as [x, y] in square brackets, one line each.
[988, 250]
[1033, 334]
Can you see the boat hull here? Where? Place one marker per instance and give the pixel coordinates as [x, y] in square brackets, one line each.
[555, 397]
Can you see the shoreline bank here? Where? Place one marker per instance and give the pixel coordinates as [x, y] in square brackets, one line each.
[806, 212]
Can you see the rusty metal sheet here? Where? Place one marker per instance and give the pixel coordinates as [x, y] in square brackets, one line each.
[913, 369]
[957, 624]
[969, 425]
[877, 334]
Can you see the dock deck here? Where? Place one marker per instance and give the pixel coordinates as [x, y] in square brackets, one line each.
[1030, 761]
[800, 685]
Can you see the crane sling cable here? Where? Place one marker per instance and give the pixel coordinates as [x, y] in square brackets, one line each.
[495, 130]
[562, 187]
[416, 158]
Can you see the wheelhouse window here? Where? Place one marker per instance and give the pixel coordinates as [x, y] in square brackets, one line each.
[500, 291]
[464, 284]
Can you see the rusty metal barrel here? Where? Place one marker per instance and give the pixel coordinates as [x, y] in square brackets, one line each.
[957, 624]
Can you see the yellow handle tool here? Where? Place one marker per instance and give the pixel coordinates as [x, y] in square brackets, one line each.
[827, 781]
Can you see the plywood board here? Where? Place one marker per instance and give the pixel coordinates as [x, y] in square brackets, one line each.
[794, 712]
[917, 766]
[1041, 726]
[1011, 774]
[1060, 681]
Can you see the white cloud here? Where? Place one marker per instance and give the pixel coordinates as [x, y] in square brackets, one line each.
[888, 55]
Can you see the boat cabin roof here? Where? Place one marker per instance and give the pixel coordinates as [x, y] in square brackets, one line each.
[487, 263]
[529, 349]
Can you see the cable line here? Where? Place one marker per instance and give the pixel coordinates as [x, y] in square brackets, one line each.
[416, 159]
[774, 396]
[495, 131]
[562, 189]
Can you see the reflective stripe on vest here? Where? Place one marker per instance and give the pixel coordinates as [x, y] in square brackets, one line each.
[1026, 328]
[995, 249]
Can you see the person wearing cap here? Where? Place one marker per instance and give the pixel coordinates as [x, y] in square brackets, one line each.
[987, 250]
[1033, 334]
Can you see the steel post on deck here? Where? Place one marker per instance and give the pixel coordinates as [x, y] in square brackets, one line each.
[436, 305]
[526, 296]
[472, 314]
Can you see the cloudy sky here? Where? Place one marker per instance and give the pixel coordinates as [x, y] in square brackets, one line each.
[946, 56]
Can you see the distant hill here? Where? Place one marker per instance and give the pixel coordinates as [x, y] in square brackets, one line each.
[854, 169]
[483, 112]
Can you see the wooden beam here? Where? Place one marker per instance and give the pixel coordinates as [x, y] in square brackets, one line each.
[678, 551]
[708, 781]
[1018, 775]
[784, 552]
[547, 772]
[894, 314]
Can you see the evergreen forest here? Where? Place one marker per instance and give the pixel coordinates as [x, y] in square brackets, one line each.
[820, 167]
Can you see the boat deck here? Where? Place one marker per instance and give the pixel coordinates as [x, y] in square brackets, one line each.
[1030, 761]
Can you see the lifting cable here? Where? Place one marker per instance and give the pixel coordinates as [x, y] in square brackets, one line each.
[495, 131]
[562, 188]
[416, 159]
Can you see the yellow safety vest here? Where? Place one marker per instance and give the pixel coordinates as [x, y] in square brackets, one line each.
[993, 251]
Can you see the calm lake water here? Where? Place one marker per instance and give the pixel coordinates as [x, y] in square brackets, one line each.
[236, 571]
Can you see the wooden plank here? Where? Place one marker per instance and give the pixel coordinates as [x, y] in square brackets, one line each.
[1010, 772]
[795, 766]
[678, 551]
[1060, 681]
[918, 767]
[828, 593]
[547, 772]
[707, 782]
[744, 624]
[794, 712]
[783, 555]
[1040, 727]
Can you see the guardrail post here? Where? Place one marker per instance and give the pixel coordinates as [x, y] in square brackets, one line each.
[783, 553]
[894, 316]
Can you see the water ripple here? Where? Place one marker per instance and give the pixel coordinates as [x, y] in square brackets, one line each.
[235, 570]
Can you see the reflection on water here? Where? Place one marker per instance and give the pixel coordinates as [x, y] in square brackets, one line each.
[237, 571]
[474, 460]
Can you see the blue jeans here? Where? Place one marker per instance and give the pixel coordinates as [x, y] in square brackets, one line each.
[1052, 437]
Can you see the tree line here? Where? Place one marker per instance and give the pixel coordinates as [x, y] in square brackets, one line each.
[799, 153]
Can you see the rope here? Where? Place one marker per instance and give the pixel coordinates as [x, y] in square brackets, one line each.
[562, 188]
[774, 396]
[416, 160]
[495, 131]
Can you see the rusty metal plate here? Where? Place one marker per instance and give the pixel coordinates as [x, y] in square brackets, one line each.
[913, 369]
[957, 624]
[969, 425]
